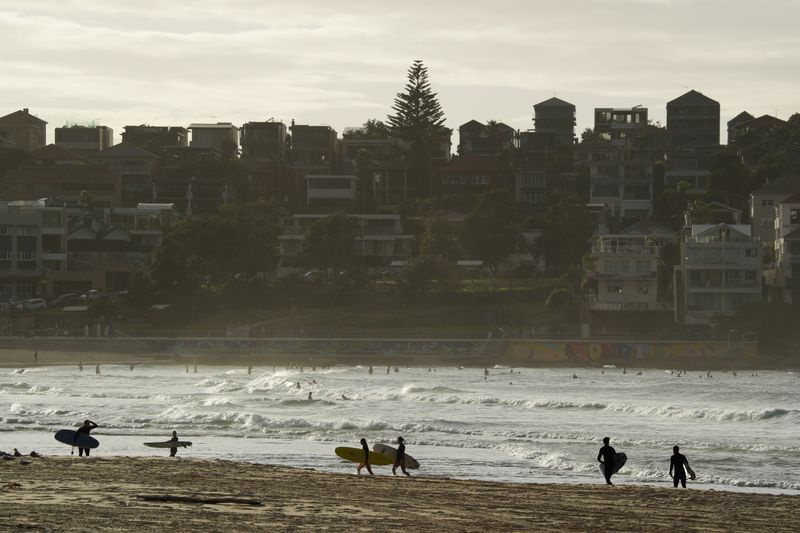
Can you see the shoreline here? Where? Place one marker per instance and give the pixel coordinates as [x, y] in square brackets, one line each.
[110, 493]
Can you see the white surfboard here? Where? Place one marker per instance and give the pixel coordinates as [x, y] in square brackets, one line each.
[385, 449]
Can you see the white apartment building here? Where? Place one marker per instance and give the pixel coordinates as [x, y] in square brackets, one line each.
[626, 274]
[786, 275]
[33, 244]
[214, 135]
[720, 271]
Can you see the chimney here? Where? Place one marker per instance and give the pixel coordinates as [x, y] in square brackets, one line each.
[25, 110]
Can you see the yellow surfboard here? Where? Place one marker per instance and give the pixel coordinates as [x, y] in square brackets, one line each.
[356, 455]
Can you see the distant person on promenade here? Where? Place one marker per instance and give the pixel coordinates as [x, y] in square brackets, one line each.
[609, 459]
[86, 428]
[365, 447]
[676, 464]
[400, 459]
[174, 451]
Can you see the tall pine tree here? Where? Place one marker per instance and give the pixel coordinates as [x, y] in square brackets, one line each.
[418, 119]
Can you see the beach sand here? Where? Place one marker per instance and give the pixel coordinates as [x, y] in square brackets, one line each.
[106, 494]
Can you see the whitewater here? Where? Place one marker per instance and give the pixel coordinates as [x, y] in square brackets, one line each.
[739, 432]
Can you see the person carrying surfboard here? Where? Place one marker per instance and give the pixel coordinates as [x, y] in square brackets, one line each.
[173, 451]
[400, 459]
[677, 463]
[365, 447]
[86, 428]
[609, 459]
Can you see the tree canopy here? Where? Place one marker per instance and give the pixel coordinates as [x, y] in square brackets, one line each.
[566, 231]
[330, 242]
[491, 231]
[236, 240]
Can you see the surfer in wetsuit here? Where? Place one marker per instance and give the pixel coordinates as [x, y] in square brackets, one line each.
[400, 459]
[87, 426]
[676, 464]
[173, 451]
[365, 447]
[609, 459]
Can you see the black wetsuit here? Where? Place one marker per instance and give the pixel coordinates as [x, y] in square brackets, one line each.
[401, 452]
[173, 451]
[365, 447]
[676, 463]
[609, 456]
[85, 430]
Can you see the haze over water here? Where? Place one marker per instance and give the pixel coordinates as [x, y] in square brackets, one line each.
[535, 425]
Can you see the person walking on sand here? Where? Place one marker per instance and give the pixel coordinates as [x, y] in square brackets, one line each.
[676, 464]
[365, 447]
[86, 428]
[400, 459]
[609, 459]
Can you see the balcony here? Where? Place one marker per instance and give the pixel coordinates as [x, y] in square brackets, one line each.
[630, 306]
[624, 250]
[626, 275]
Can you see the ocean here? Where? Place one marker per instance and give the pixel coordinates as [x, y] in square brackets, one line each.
[739, 432]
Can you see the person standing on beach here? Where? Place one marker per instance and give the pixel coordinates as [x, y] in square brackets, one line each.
[609, 459]
[676, 464]
[80, 366]
[173, 451]
[400, 459]
[97, 370]
[86, 428]
[365, 447]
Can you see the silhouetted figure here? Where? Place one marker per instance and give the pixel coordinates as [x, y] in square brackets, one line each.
[624, 371]
[80, 366]
[16, 453]
[195, 368]
[131, 367]
[676, 464]
[370, 370]
[249, 370]
[609, 459]
[173, 451]
[309, 395]
[388, 369]
[574, 376]
[365, 447]
[97, 370]
[86, 428]
[297, 385]
[36, 358]
[400, 459]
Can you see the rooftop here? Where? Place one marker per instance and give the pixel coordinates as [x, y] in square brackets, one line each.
[693, 98]
[22, 116]
[554, 102]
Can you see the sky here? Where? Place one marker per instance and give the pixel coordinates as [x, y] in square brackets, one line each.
[341, 63]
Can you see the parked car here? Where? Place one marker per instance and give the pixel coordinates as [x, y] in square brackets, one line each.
[92, 295]
[34, 304]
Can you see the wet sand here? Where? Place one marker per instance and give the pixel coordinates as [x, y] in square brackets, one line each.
[110, 494]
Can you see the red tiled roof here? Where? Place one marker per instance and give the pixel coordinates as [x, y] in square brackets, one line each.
[793, 199]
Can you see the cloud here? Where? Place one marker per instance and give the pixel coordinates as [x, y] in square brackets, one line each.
[342, 63]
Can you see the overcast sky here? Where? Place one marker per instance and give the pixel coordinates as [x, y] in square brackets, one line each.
[341, 63]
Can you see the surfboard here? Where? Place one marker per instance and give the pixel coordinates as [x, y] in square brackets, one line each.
[391, 453]
[356, 455]
[169, 444]
[68, 436]
[618, 463]
[689, 471]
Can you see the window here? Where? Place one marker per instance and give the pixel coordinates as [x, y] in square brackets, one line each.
[794, 216]
[751, 252]
[766, 202]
